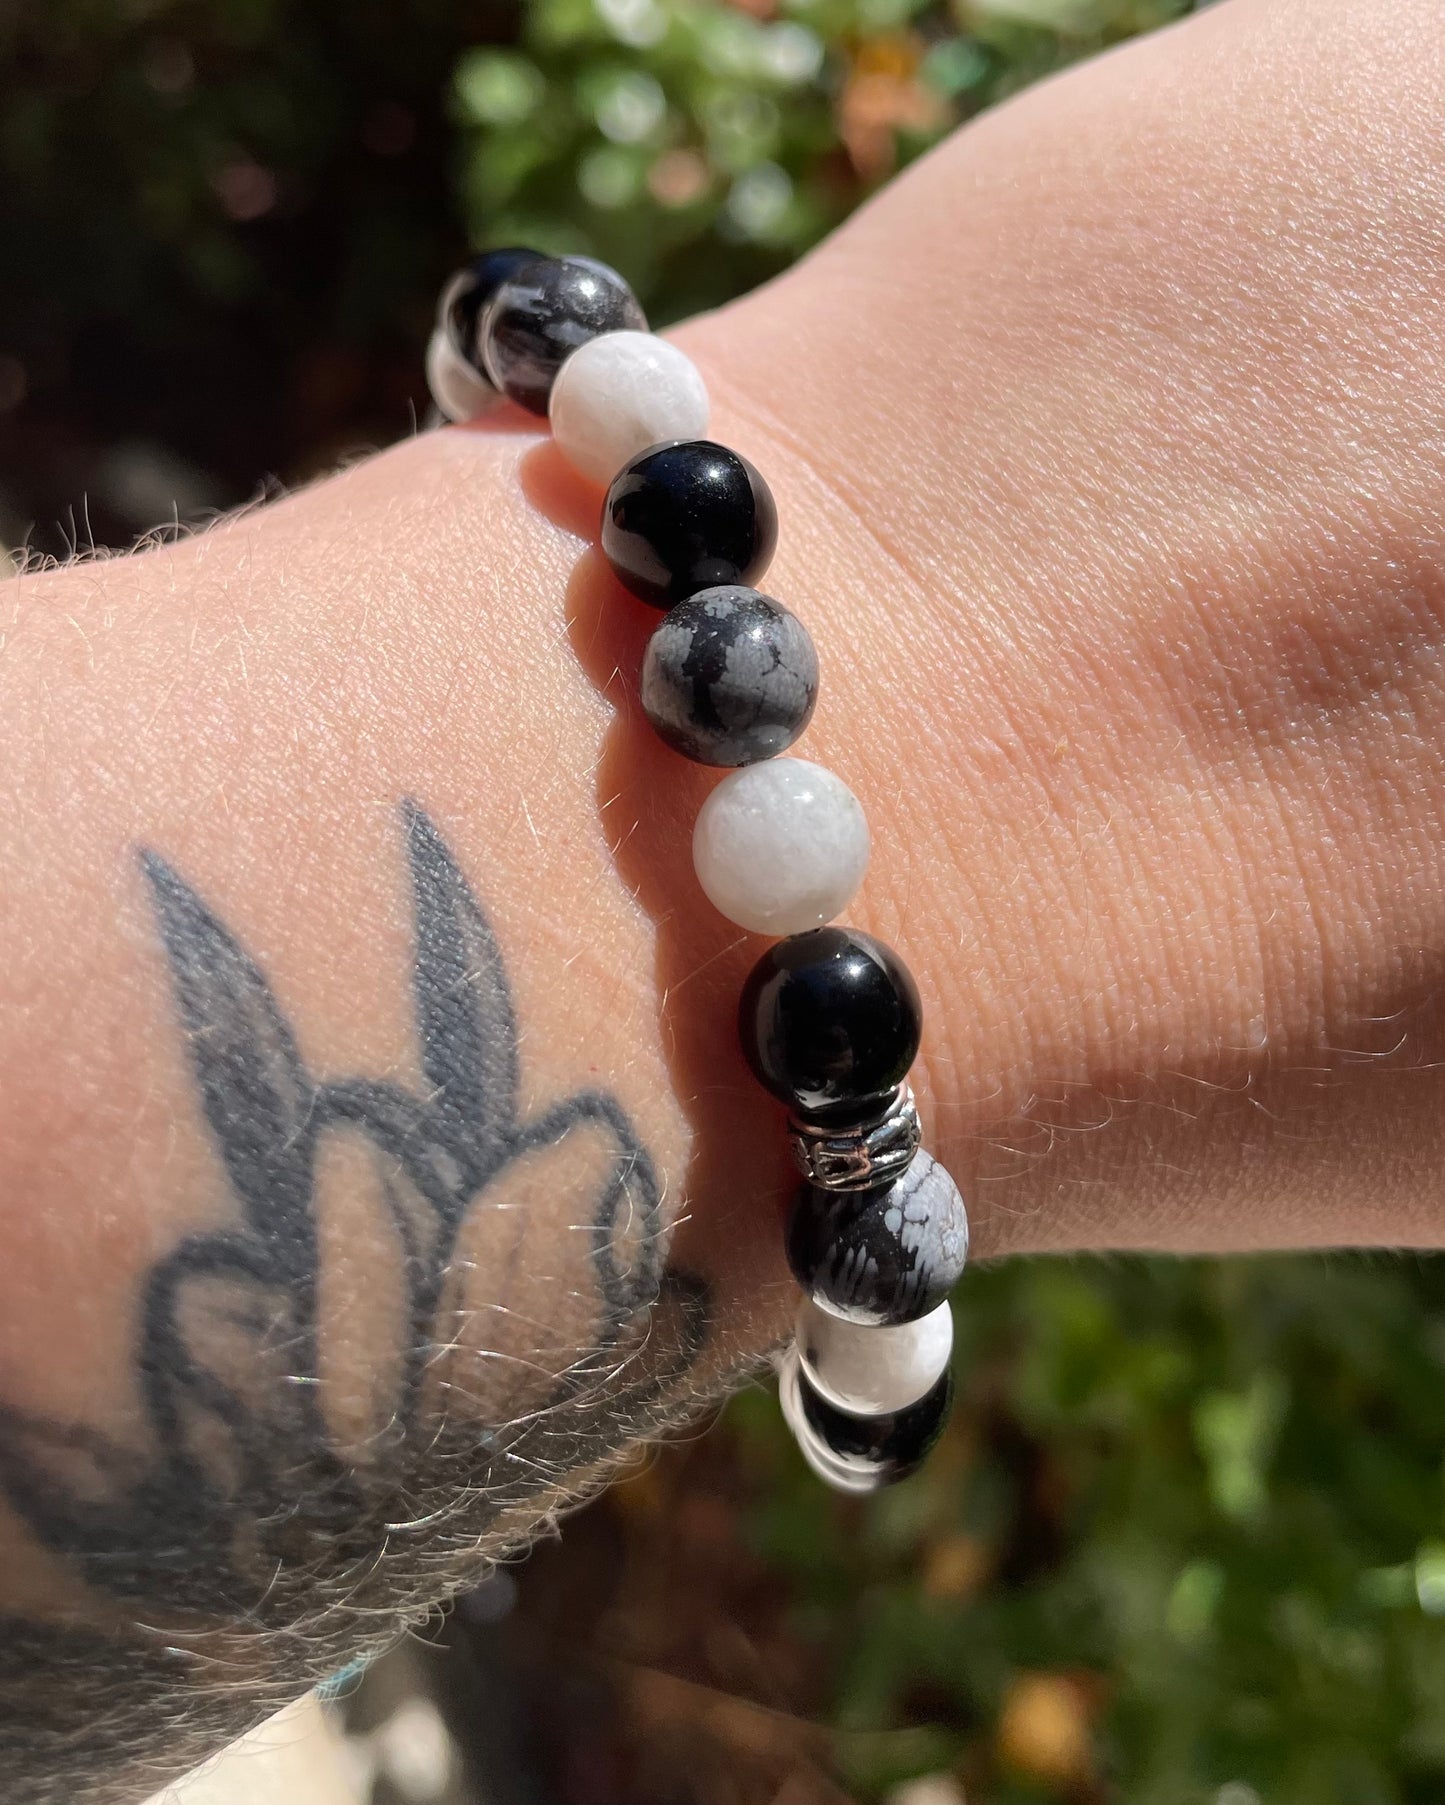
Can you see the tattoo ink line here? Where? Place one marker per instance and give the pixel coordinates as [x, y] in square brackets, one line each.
[238, 1480]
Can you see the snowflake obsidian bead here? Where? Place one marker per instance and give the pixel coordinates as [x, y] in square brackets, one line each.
[544, 312]
[459, 385]
[688, 516]
[469, 291]
[885, 1256]
[729, 677]
[830, 1022]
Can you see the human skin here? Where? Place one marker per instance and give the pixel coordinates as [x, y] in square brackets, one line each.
[1108, 446]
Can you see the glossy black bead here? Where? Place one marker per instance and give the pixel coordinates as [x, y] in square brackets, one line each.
[541, 314]
[472, 288]
[688, 516]
[880, 1449]
[890, 1255]
[830, 1022]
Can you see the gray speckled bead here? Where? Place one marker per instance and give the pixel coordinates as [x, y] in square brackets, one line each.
[890, 1255]
[729, 677]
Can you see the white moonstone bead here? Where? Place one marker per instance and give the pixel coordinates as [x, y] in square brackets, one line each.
[620, 393]
[781, 847]
[458, 390]
[833, 1469]
[872, 1369]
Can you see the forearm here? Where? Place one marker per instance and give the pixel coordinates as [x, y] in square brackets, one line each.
[345, 1126]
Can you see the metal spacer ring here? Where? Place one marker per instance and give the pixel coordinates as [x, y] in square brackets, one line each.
[862, 1156]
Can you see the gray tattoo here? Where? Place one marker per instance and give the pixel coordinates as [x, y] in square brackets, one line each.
[242, 1504]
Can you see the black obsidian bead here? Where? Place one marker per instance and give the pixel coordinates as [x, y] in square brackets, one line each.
[830, 1022]
[542, 313]
[688, 516]
[875, 1450]
[472, 288]
[886, 1256]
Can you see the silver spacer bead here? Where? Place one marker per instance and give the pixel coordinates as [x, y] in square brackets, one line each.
[863, 1156]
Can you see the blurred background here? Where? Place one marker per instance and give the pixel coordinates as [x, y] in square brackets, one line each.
[1184, 1542]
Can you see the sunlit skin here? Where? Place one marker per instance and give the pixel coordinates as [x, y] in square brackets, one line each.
[1109, 448]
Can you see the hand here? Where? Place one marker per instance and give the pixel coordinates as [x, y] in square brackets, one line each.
[1113, 441]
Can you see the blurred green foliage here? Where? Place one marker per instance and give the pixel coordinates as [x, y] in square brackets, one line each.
[225, 221]
[1183, 1543]
[701, 148]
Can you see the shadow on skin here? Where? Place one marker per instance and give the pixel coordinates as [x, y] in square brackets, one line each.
[647, 798]
[503, 420]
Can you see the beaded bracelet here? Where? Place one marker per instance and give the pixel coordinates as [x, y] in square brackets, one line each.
[830, 1018]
